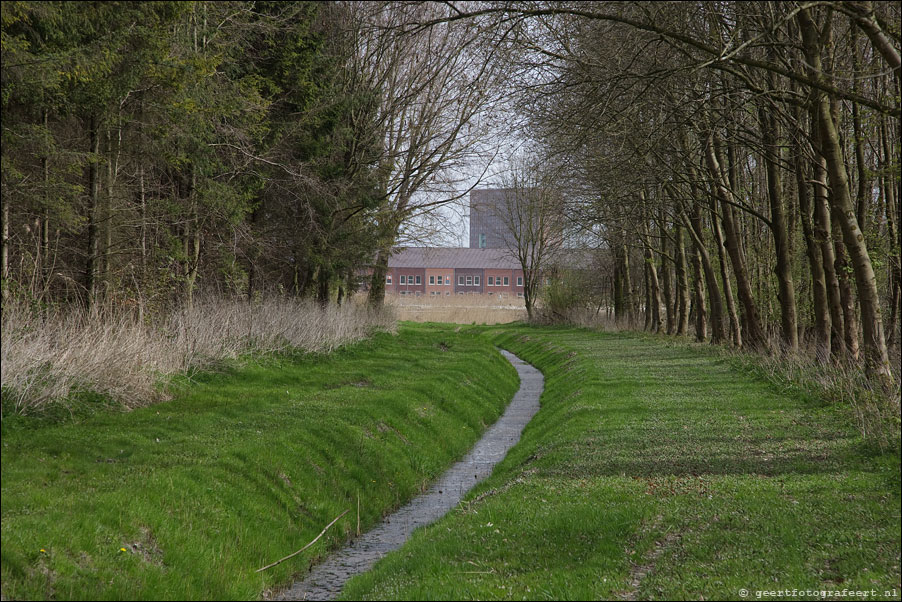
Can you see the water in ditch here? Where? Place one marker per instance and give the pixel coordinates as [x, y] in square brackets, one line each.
[324, 582]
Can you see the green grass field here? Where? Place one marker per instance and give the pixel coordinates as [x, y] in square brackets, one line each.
[655, 470]
[186, 499]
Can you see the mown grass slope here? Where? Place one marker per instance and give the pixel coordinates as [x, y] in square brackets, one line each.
[186, 499]
[656, 471]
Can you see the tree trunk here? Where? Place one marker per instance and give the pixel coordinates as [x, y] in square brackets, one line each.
[44, 255]
[823, 233]
[787, 298]
[846, 298]
[754, 333]
[815, 263]
[4, 254]
[699, 303]
[652, 284]
[657, 323]
[735, 329]
[323, 286]
[93, 209]
[621, 298]
[682, 274]
[629, 296]
[861, 201]
[875, 352]
[666, 276]
[107, 219]
[647, 286]
[254, 288]
[376, 296]
[716, 303]
[192, 242]
[892, 340]
[891, 210]
[864, 18]
[142, 201]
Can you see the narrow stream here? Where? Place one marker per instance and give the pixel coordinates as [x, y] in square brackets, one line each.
[326, 579]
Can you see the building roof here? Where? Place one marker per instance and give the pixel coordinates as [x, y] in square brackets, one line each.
[444, 257]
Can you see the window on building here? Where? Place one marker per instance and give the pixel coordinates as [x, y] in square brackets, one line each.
[460, 280]
[482, 241]
[475, 280]
[432, 280]
[418, 280]
[447, 280]
[491, 281]
[506, 281]
[519, 280]
[520, 295]
[388, 279]
[469, 281]
[403, 279]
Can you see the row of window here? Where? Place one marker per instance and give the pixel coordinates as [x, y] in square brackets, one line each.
[411, 279]
[461, 280]
[493, 281]
[448, 293]
[497, 281]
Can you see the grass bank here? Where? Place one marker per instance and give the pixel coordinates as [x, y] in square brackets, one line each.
[186, 499]
[658, 471]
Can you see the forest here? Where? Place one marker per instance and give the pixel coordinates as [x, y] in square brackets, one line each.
[245, 148]
[734, 166]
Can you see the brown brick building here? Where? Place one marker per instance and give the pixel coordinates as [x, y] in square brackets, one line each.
[445, 271]
[486, 267]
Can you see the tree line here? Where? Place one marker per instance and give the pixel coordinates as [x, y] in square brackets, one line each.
[154, 149]
[738, 162]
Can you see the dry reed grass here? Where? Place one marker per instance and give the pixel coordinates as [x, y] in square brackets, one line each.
[457, 309]
[583, 317]
[876, 411]
[49, 355]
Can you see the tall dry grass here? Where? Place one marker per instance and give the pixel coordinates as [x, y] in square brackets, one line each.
[876, 411]
[49, 355]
